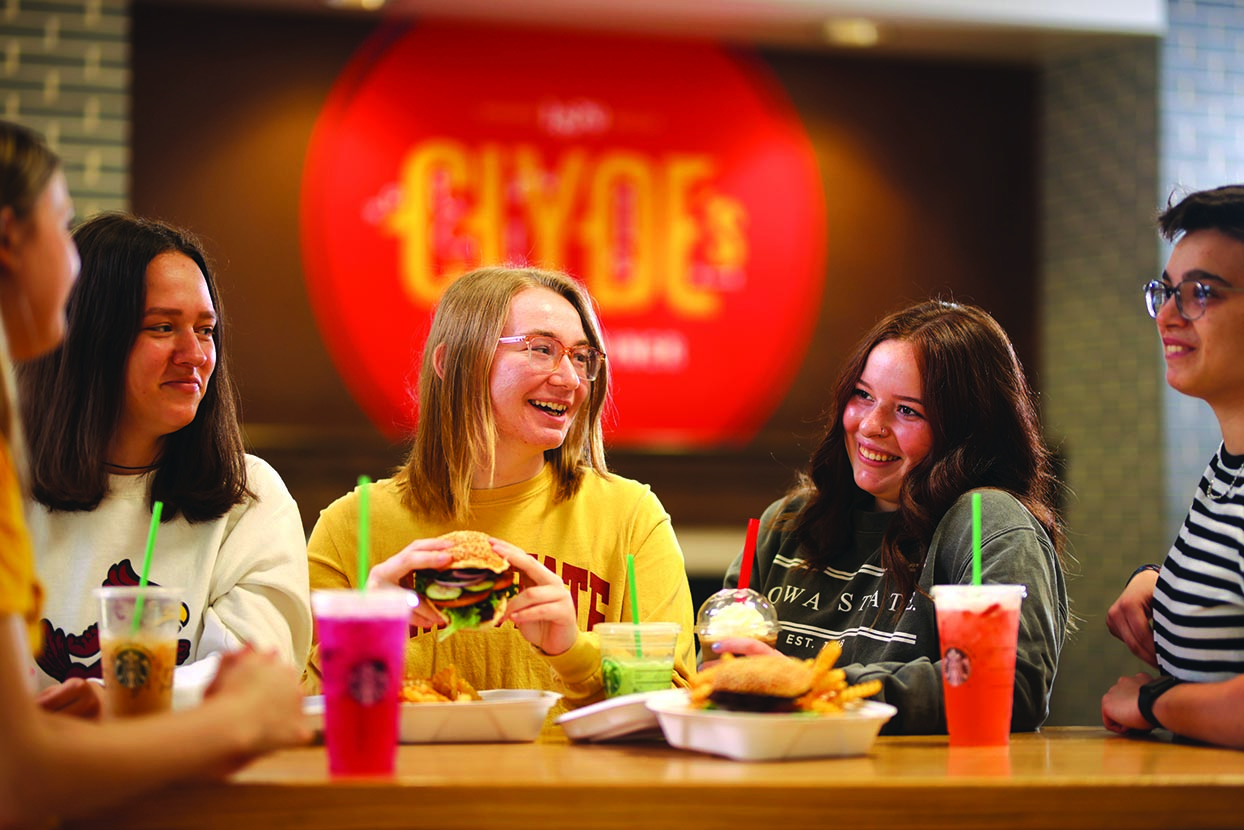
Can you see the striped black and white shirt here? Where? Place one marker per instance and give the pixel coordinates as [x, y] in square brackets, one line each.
[1198, 604]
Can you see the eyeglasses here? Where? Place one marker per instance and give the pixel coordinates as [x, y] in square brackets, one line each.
[1191, 297]
[544, 354]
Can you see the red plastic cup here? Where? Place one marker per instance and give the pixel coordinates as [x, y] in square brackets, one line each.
[362, 638]
[978, 627]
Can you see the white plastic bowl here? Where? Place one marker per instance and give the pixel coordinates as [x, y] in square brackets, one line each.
[503, 716]
[748, 736]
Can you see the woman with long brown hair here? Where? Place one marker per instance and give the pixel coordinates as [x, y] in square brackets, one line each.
[138, 405]
[931, 406]
[52, 765]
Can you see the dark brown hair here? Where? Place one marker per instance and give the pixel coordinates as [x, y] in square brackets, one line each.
[986, 433]
[1220, 209]
[73, 397]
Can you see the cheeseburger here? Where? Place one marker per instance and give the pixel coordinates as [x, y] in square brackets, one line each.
[769, 683]
[472, 588]
[777, 683]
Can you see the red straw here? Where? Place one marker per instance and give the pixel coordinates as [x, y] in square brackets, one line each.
[749, 553]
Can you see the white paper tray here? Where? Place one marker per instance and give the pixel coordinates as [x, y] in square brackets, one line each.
[746, 736]
[503, 716]
[625, 718]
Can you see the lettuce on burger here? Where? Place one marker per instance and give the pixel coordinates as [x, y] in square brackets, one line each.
[472, 588]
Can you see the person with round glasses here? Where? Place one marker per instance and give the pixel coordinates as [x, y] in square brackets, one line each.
[1186, 617]
[512, 388]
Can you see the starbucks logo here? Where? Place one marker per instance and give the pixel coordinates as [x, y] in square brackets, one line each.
[132, 668]
[369, 682]
[612, 671]
[957, 666]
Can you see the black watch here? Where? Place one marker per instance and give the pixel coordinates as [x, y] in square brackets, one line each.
[1149, 694]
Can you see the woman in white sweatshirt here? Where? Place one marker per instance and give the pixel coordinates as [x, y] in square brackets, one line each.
[50, 765]
[137, 405]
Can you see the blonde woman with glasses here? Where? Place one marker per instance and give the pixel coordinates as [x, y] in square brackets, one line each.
[513, 385]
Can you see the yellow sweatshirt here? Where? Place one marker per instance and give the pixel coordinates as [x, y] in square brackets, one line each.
[584, 541]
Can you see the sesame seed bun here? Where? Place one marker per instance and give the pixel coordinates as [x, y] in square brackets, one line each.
[472, 550]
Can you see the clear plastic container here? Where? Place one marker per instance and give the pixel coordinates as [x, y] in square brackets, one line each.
[735, 612]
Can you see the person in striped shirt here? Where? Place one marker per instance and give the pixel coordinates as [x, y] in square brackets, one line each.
[1186, 618]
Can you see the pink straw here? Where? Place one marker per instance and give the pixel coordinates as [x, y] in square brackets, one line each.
[749, 553]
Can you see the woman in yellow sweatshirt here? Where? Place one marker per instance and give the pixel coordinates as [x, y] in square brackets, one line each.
[512, 388]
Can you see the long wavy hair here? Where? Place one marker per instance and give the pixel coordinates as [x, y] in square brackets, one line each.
[986, 433]
[73, 397]
[456, 432]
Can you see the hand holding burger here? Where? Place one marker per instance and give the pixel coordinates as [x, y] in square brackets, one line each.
[419, 554]
[469, 587]
[540, 606]
[544, 611]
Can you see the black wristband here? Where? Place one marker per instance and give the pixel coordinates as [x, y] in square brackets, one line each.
[1142, 569]
[1149, 694]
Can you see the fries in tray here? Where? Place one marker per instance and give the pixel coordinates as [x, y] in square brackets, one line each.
[446, 686]
[777, 683]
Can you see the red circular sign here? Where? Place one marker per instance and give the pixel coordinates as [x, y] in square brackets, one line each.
[672, 177]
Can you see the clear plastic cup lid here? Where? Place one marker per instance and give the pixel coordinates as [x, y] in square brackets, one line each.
[737, 612]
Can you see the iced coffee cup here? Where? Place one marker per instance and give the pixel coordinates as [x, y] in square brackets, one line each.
[735, 613]
[637, 657]
[362, 638]
[138, 648]
[978, 629]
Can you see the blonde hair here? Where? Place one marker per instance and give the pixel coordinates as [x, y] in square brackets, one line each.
[456, 432]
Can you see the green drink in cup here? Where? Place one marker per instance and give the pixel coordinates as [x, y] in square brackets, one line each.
[637, 657]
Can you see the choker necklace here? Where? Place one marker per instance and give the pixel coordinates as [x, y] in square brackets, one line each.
[123, 467]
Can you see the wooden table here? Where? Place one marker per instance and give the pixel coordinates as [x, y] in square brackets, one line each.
[1065, 778]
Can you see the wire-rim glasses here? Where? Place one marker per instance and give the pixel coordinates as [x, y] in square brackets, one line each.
[1191, 296]
[544, 354]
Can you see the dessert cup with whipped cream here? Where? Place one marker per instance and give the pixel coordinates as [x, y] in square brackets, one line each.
[735, 613]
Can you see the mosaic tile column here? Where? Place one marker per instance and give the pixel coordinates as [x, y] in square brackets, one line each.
[1202, 105]
[1100, 379]
[64, 71]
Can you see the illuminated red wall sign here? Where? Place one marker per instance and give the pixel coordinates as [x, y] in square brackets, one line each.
[673, 178]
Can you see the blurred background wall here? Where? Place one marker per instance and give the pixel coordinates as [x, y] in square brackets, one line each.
[1018, 168]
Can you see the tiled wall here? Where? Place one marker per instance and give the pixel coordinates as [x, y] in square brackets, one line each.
[1100, 359]
[64, 71]
[1201, 98]
[1123, 130]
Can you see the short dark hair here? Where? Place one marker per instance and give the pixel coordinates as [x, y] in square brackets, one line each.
[73, 397]
[986, 433]
[1220, 209]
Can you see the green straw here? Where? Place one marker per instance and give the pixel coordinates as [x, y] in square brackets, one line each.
[364, 533]
[976, 538]
[630, 579]
[156, 510]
